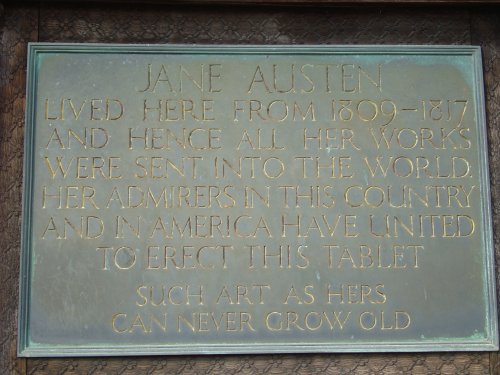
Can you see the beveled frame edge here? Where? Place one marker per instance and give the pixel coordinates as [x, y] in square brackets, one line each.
[484, 178]
[25, 256]
[490, 343]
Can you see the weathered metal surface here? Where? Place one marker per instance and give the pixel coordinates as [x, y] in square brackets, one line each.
[163, 182]
[396, 25]
[105, 24]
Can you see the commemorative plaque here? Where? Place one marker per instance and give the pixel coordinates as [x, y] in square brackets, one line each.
[223, 199]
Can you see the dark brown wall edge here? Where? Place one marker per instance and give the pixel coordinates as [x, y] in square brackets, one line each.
[18, 26]
[276, 2]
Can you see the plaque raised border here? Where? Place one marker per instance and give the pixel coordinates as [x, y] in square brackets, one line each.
[488, 342]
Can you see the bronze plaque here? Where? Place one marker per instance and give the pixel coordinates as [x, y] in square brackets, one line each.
[188, 199]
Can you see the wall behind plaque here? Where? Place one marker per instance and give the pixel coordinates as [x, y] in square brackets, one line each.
[230, 24]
